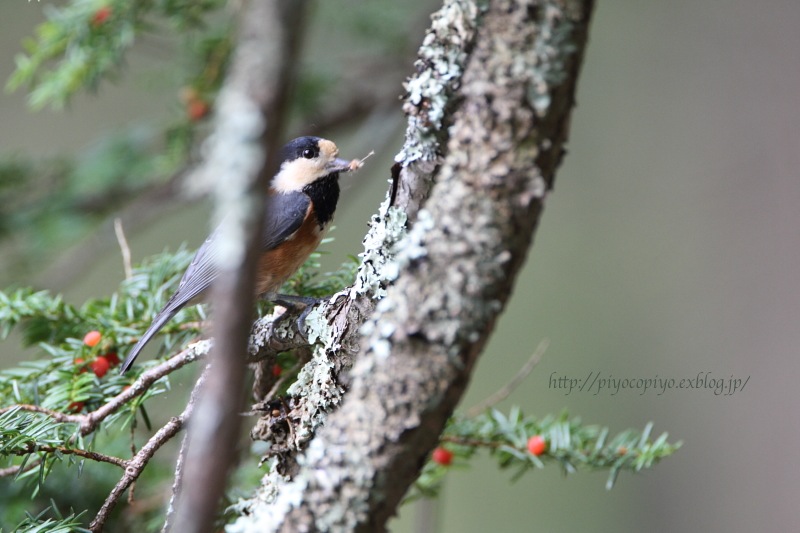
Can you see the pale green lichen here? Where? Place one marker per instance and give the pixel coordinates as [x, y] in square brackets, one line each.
[316, 325]
[413, 246]
[267, 506]
[551, 48]
[268, 493]
[441, 61]
[394, 256]
[377, 267]
[316, 382]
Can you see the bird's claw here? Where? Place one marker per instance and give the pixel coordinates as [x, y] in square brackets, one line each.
[293, 303]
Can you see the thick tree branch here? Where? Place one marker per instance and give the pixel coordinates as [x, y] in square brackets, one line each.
[508, 121]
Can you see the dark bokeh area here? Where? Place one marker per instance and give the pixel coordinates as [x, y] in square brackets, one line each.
[668, 248]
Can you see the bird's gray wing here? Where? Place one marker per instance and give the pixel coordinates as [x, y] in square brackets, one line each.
[283, 216]
[284, 213]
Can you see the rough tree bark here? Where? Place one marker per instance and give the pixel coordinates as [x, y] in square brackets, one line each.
[488, 111]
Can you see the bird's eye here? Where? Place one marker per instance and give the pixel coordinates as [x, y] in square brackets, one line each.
[308, 153]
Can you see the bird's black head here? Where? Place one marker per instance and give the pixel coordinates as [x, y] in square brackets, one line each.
[306, 160]
[302, 147]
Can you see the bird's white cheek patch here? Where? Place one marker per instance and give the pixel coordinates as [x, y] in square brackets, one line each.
[296, 174]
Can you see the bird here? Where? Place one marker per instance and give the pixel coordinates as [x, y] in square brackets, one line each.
[300, 204]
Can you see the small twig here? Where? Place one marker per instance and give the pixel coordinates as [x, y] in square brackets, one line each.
[509, 387]
[124, 248]
[179, 464]
[90, 421]
[131, 493]
[58, 416]
[14, 470]
[282, 379]
[136, 464]
[176, 485]
[474, 443]
[94, 456]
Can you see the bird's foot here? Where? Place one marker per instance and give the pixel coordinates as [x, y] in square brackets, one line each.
[295, 303]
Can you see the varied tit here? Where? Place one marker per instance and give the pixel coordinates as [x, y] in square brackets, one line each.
[299, 208]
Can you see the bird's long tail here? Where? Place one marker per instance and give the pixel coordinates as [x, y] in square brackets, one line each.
[164, 316]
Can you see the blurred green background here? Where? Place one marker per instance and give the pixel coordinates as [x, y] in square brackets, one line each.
[669, 247]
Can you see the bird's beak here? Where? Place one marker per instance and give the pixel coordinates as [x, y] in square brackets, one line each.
[338, 165]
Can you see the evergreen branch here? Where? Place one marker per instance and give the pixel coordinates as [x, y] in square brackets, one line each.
[47, 319]
[21, 430]
[52, 432]
[58, 416]
[82, 43]
[59, 524]
[86, 454]
[24, 304]
[567, 441]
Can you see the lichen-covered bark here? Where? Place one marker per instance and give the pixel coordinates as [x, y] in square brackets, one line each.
[453, 271]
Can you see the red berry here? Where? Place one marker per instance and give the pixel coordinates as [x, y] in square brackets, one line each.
[196, 109]
[537, 445]
[442, 456]
[101, 15]
[276, 370]
[100, 366]
[113, 358]
[75, 407]
[622, 450]
[92, 338]
[79, 362]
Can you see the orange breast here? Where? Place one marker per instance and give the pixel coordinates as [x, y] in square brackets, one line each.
[277, 265]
